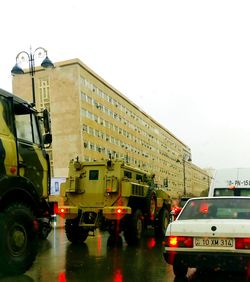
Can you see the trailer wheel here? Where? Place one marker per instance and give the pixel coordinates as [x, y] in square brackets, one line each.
[134, 227]
[161, 223]
[75, 233]
[18, 239]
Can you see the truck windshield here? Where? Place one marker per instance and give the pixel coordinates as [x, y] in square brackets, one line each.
[26, 125]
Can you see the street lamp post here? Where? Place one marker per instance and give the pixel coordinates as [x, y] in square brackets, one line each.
[184, 172]
[24, 56]
[184, 178]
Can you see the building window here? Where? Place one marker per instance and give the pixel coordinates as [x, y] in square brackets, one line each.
[127, 174]
[44, 93]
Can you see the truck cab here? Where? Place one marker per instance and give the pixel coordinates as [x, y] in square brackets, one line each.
[24, 181]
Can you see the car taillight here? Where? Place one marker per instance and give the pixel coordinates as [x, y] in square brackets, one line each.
[61, 210]
[242, 243]
[179, 242]
[55, 207]
[119, 211]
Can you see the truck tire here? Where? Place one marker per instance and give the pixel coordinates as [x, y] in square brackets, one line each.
[134, 227]
[18, 239]
[44, 230]
[161, 223]
[75, 233]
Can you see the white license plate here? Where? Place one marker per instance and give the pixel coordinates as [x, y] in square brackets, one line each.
[214, 242]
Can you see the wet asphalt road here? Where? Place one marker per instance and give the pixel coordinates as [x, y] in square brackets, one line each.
[98, 260]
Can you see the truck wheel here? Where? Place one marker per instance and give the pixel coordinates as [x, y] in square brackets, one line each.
[180, 269]
[134, 227]
[44, 230]
[75, 233]
[162, 223]
[18, 239]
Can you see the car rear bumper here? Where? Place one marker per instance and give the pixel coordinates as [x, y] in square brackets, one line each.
[225, 261]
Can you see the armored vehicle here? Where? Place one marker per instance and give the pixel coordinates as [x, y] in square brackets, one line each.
[112, 195]
[24, 182]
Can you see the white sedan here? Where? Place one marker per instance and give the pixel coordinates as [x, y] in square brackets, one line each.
[210, 233]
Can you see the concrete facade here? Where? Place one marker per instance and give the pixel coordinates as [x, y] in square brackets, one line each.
[91, 120]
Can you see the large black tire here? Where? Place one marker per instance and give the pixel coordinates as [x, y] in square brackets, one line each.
[75, 233]
[134, 227]
[18, 239]
[44, 229]
[161, 223]
[180, 269]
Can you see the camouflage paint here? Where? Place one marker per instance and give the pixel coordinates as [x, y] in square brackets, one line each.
[8, 161]
[2, 158]
[35, 169]
[32, 159]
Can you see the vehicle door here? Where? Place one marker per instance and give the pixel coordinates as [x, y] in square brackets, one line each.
[8, 153]
[32, 160]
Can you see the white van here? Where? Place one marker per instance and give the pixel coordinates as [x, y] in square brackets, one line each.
[230, 182]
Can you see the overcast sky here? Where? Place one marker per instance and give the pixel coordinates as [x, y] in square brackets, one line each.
[186, 63]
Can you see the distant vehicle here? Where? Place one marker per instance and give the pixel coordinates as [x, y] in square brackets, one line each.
[230, 182]
[210, 233]
[114, 196]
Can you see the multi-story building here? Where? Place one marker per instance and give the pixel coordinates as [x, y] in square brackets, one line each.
[92, 120]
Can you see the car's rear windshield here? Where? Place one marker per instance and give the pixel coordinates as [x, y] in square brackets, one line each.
[216, 208]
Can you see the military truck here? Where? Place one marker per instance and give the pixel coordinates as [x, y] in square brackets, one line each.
[112, 195]
[24, 182]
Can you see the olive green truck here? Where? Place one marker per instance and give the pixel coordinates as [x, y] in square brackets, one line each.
[25, 212]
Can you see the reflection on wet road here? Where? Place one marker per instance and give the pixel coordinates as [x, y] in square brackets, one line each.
[216, 276]
[98, 259]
